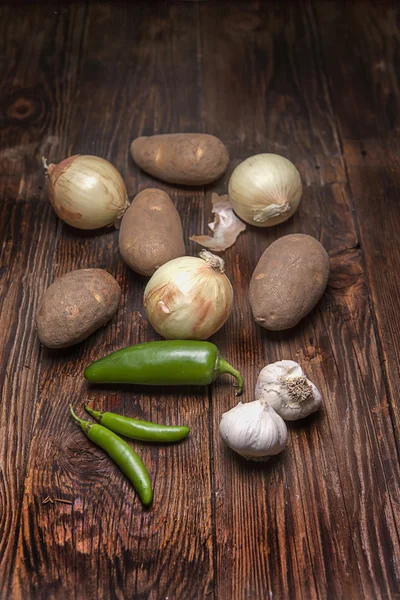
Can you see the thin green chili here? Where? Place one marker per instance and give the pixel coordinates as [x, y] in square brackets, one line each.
[138, 429]
[122, 454]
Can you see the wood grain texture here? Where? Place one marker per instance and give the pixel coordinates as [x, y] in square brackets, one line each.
[364, 65]
[28, 236]
[319, 521]
[372, 157]
[106, 529]
[21, 261]
[325, 472]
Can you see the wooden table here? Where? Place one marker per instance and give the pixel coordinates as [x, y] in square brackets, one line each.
[317, 82]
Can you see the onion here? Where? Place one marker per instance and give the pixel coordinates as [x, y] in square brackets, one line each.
[189, 297]
[86, 192]
[265, 189]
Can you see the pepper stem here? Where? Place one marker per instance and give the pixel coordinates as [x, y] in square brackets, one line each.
[94, 413]
[85, 425]
[225, 367]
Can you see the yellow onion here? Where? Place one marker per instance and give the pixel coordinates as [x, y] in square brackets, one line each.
[189, 298]
[265, 189]
[86, 192]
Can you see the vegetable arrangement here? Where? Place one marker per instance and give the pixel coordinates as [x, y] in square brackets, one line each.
[187, 299]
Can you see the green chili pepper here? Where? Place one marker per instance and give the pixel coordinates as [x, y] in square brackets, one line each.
[122, 454]
[137, 429]
[172, 362]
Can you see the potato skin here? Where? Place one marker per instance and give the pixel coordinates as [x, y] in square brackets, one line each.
[151, 232]
[184, 158]
[75, 305]
[288, 281]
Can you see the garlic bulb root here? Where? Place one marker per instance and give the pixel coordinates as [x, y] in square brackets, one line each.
[284, 386]
[265, 190]
[254, 430]
[298, 388]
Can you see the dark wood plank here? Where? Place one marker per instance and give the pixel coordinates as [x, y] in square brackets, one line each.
[262, 74]
[372, 153]
[29, 237]
[137, 77]
[39, 47]
[361, 52]
[25, 270]
[375, 190]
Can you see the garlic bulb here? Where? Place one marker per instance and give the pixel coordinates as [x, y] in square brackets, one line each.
[189, 298]
[287, 390]
[254, 430]
[265, 189]
[86, 192]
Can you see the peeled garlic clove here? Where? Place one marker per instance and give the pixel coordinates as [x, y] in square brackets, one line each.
[253, 430]
[265, 189]
[226, 226]
[287, 390]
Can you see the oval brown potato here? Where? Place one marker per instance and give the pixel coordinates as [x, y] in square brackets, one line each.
[151, 232]
[75, 305]
[288, 281]
[184, 158]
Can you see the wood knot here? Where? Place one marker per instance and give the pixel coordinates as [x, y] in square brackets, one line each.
[21, 109]
[25, 105]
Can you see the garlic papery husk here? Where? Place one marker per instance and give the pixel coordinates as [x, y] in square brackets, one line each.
[87, 192]
[189, 298]
[287, 390]
[265, 189]
[226, 226]
[254, 430]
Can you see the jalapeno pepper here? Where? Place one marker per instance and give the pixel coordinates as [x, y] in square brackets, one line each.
[122, 454]
[172, 362]
[138, 429]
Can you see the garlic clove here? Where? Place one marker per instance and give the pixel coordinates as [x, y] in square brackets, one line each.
[253, 430]
[226, 226]
[287, 390]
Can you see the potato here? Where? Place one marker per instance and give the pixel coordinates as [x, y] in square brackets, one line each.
[75, 305]
[185, 158]
[151, 232]
[288, 281]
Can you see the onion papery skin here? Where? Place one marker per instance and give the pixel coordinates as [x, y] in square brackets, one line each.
[87, 192]
[188, 299]
[265, 190]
